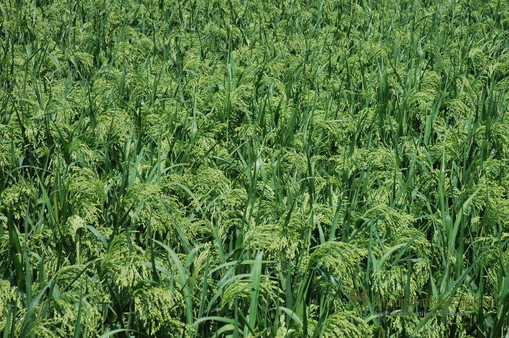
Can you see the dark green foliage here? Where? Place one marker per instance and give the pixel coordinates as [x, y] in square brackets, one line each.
[253, 168]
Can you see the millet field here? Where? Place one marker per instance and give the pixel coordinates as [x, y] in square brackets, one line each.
[228, 168]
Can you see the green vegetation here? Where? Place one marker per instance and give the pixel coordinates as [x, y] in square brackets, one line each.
[252, 168]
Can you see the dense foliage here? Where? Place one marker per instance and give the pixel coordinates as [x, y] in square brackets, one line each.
[253, 168]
